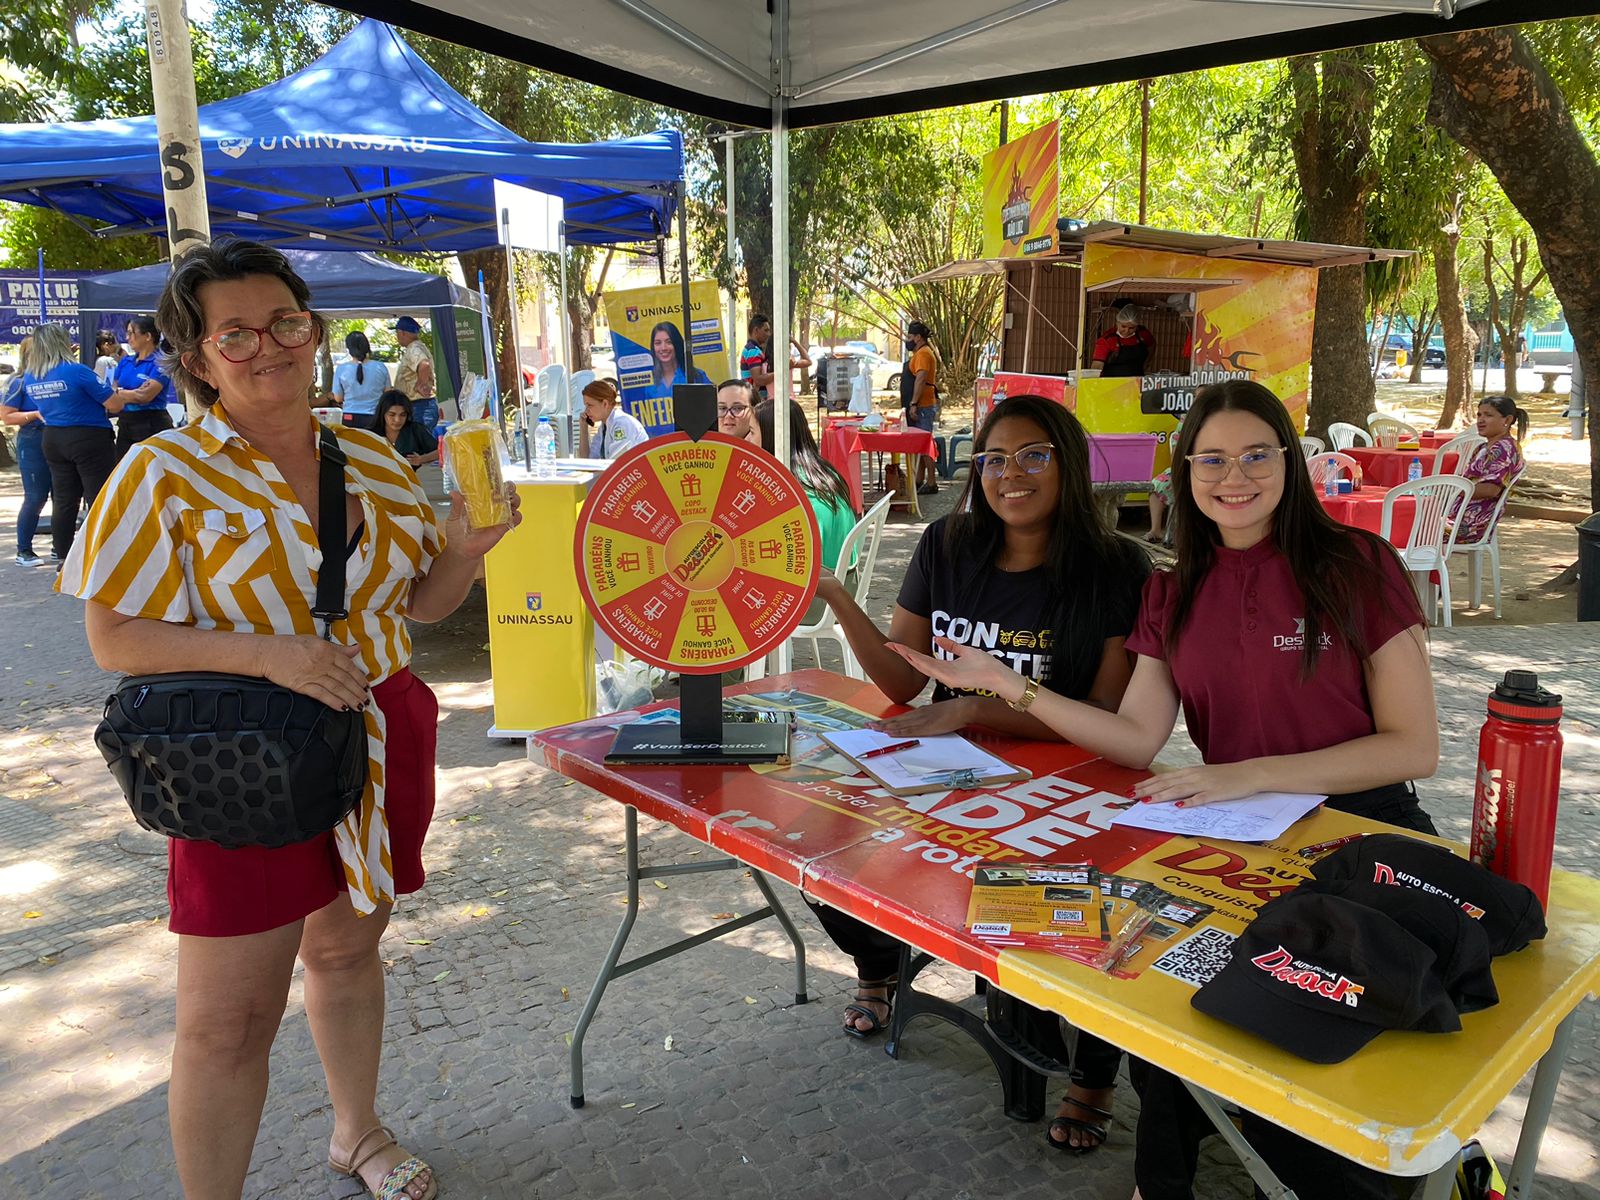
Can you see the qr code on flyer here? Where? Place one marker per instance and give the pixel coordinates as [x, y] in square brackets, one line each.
[1198, 957]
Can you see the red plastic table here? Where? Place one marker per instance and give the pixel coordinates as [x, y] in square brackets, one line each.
[1404, 1105]
[836, 450]
[1364, 510]
[1388, 468]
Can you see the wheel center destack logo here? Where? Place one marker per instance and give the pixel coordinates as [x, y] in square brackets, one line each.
[697, 556]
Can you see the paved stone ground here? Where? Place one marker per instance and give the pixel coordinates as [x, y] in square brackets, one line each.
[489, 964]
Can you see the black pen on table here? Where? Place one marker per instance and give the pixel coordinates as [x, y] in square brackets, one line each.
[891, 748]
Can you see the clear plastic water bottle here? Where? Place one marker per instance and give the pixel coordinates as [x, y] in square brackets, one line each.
[544, 450]
[1330, 483]
[1414, 471]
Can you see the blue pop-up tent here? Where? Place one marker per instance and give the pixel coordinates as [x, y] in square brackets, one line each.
[342, 283]
[367, 148]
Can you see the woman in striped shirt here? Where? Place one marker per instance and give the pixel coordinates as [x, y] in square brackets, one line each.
[201, 554]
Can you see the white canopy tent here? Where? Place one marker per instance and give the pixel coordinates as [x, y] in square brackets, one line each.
[785, 64]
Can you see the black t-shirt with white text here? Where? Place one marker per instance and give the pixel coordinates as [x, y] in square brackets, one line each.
[1007, 613]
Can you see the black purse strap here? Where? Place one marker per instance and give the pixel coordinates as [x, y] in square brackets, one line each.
[332, 535]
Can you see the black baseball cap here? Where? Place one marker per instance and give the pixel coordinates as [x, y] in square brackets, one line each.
[1510, 913]
[918, 328]
[1321, 976]
[1459, 944]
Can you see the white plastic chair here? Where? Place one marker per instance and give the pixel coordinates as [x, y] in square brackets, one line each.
[1488, 546]
[1375, 415]
[1346, 435]
[1464, 446]
[861, 547]
[1311, 445]
[1332, 462]
[1378, 425]
[1432, 537]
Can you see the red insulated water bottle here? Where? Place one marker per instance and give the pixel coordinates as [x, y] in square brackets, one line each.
[1519, 781]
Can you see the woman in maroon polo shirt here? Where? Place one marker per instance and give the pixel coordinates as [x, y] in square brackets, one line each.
[1025, 567]
[1298, 652]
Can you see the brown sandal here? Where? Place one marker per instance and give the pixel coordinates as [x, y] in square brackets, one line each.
[400, 1177]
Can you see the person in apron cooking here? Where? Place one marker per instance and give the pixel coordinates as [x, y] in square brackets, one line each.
[1124, 351]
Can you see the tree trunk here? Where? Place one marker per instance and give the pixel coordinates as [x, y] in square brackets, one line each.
[493, 265]
[1333, 116]
[1494, 97]
[1453, 324]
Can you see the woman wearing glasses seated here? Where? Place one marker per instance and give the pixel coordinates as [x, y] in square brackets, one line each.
[1025, 571]
[1298, 652]
[199, 556]
[736, 411]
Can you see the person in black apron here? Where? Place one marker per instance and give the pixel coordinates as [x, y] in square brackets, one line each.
[1123, 352]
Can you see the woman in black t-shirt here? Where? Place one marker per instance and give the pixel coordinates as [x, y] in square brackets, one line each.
[1026, 569]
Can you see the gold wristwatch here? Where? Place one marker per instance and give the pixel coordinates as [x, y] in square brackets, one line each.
[1029, 695]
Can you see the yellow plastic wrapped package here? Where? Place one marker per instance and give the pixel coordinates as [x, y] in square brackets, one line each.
[473, 452]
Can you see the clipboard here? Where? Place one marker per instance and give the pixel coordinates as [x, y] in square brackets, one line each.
[946, 762]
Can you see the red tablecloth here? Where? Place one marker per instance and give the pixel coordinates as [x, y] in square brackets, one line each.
[1387, 468]
[837, 449]
[1364, 510]
[899, 441]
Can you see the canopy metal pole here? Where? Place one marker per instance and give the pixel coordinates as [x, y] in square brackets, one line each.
[683, 283]
[1027, 328]
[733, 275]
[568, 425]
[782, 377]
[183, 180]
[516, 343]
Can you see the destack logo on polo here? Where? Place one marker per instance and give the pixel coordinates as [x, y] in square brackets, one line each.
[1308, 977]
[1384, 873]
[1297, 639]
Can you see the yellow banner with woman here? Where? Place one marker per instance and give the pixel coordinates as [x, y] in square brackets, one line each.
[648, 339]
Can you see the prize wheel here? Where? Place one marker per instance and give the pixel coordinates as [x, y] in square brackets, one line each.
[697, 557]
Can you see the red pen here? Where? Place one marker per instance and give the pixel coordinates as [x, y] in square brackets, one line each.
[890, 748]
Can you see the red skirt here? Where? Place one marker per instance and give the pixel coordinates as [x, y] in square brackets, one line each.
[228, 893]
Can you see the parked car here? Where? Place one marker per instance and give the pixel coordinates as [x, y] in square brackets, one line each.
[1433, 356]
[885, 373]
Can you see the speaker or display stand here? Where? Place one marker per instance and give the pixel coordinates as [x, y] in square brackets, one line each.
[702, 734]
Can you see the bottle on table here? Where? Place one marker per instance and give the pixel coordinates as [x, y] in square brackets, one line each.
[1519, 783]
[1330, 482]
[1414, 471]
[544, 450]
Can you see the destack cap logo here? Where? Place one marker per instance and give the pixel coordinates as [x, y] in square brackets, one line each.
[1319, 981]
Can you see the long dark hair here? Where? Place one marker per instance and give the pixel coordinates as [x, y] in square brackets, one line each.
[1336, 567]
[677, 349]
[356, 342]
[1507, 407]
[390, 398]
[1094, 572]
[805, 460]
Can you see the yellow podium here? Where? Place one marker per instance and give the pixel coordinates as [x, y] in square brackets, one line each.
[541, 636]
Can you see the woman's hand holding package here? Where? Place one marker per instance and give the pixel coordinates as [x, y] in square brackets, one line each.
[461, 539]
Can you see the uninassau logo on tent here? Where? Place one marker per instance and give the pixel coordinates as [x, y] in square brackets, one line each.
[235, 147]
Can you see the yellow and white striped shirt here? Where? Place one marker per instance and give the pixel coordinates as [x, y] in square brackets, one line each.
[197, 527]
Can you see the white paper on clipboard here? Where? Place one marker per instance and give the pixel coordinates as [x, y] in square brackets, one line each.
[930, 758]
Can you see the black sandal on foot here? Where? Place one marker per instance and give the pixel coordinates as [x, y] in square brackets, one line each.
[1068, 1124]
[859, 1008]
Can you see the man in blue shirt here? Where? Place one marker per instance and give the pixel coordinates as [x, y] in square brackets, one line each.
[148, 388]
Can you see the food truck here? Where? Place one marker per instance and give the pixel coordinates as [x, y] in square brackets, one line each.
[1217, 306]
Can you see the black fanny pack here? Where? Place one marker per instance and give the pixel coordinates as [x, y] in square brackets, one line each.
[233, 759]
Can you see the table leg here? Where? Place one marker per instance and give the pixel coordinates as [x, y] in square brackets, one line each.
[1441, 1182]
[1541, 1099]
[608, 966]
[782, 917]
[1022, 1083]
[1253, 1162]
[612, 969]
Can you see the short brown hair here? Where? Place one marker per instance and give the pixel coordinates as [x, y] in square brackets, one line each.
[183, 321]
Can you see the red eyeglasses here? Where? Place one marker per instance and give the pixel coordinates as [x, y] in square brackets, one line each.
[242, 343]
